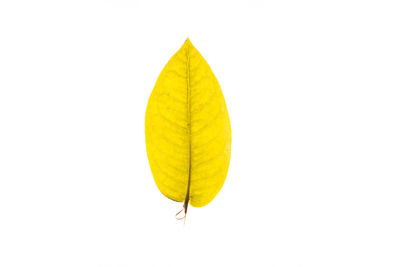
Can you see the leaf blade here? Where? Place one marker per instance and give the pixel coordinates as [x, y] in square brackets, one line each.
[188, 142]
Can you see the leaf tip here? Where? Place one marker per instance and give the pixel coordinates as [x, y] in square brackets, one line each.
[188, 42]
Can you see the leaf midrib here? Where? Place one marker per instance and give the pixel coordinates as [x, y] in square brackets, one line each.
[189, 128]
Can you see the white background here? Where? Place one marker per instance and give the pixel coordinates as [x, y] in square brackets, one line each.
[312, 88]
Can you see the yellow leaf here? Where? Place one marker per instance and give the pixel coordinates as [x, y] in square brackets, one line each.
[188, 132]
